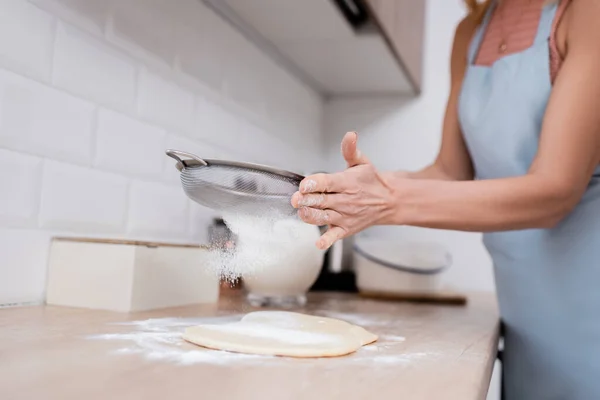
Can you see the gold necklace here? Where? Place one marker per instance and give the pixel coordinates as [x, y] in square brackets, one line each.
[503, 45]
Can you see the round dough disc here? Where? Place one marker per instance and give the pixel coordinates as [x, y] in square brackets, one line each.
[282, 333]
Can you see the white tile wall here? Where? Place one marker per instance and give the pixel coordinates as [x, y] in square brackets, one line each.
[214, 124]
[128, 146]
[23, 261]
[20, 179]
[35, 118]
[200, 56]
[89, 15]
[145, 28]
[157, 210]
[244, 81]
[80, 199]
[92, 93]
[31, 54]
[89, 68]
[165, 102]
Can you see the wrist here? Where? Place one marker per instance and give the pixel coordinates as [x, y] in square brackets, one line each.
[396, 210]
[393, 175]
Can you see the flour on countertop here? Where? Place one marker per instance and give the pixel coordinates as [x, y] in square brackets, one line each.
[372, 320]
[160, 339]
[392, 338]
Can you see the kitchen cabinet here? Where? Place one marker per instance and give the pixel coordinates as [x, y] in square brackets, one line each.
[337, 47]
[402, 23]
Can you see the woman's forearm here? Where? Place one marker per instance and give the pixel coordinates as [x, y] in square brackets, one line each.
[432, 171]
[488, 205]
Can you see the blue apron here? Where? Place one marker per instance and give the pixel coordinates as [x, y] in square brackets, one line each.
[547, 280]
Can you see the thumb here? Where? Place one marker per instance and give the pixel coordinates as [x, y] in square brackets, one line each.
[350, 151]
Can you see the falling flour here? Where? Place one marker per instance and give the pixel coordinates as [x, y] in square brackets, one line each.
[265, 243]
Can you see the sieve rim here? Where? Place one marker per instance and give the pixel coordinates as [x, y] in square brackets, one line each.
[198, 162]
[247, 166]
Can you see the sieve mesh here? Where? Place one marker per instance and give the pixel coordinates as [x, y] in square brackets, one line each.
[239, 188]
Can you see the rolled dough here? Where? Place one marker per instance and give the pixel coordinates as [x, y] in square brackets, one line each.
[282, 333]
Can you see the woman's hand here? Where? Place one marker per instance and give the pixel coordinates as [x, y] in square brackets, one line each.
[348, 201]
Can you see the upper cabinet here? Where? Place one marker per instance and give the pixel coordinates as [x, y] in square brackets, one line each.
[402, 23]
[338, 47]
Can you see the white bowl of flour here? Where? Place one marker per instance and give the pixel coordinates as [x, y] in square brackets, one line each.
[277, 258]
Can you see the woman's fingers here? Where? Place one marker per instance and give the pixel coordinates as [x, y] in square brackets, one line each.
[315, 216]
[332, 235]
[339, 202]
[315, 200]
[323, 183]
[350, 151]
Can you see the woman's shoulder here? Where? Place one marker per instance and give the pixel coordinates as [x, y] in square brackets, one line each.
[463, 35]
[579, 24]
[466, 27]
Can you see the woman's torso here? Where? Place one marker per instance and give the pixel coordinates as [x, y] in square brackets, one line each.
[547, 279]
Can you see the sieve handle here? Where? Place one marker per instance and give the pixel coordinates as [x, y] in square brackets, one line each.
[185, 159]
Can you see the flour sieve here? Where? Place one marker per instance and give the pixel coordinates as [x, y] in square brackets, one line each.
[237, 187]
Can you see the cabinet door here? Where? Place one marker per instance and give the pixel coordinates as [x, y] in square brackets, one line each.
[402, 22]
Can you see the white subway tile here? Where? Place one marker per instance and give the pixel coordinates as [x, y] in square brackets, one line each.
[144, 28]
[257, 144]
[246, 77]
[82, 199]
[254, 144]
[246, 72]
[26, 39]
[164, 102]
[199, 51]
[177, 142]
[215, 125]
[157, 210]
[20, 180]
[294, 110]
[23, 264]
[85, 14]
[44, 121]
[85, 66]
[129, 146]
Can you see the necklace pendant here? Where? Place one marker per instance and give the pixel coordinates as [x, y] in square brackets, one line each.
[502, 47]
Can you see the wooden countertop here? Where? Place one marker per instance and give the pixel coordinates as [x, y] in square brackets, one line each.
[65, 353]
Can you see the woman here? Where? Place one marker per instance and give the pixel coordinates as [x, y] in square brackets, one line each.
[519, 161]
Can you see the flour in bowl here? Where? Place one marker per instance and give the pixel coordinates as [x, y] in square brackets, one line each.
[265, 243]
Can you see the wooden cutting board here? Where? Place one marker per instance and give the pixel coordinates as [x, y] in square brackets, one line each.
[441, 297]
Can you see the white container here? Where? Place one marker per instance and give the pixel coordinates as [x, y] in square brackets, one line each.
[384, 266]
[128, 276]
[284, 270]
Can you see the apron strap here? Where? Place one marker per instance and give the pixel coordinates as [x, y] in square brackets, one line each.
[478, 38]
[546, 24]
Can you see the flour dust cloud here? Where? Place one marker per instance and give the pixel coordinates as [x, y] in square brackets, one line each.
[261, 242]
